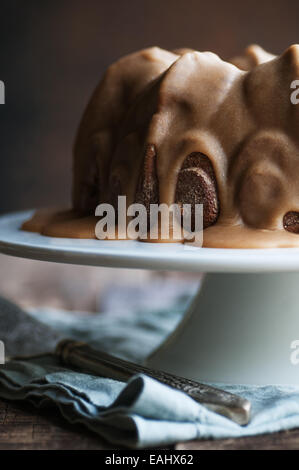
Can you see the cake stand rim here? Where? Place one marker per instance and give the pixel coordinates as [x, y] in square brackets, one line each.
[138, 255]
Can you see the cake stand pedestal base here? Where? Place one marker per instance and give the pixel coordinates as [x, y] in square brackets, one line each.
[241, 325]
[239, 329]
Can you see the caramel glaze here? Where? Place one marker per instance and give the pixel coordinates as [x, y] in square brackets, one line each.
[164, 127]
[252, 56]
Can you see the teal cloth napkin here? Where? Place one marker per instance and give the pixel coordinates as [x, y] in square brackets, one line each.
[143, 412]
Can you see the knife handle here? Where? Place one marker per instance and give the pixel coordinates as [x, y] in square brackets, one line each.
[83, 357]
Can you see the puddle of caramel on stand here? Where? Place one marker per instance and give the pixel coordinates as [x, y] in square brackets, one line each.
[64, 224]
[69, 224]
[240, 236]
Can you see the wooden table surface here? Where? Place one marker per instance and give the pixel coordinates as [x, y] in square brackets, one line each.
[22, 427]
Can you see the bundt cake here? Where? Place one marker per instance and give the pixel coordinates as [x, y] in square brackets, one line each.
[188, 127]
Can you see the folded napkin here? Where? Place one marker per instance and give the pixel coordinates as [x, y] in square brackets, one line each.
[143, 412]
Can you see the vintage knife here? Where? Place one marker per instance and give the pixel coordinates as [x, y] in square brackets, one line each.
[83, 357]
[21, 332]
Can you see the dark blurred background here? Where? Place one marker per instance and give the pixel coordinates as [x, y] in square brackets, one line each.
[53, 54]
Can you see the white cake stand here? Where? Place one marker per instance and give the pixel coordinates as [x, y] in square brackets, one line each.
[241, 324]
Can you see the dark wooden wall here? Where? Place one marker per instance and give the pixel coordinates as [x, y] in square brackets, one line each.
[52, 54]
